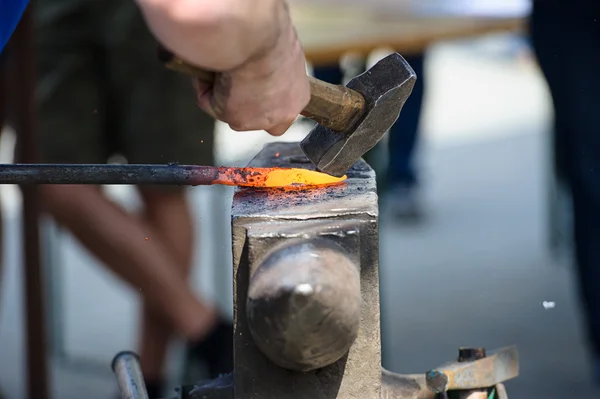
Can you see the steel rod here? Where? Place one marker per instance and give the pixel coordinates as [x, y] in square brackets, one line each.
[127, 369]
[134, 174]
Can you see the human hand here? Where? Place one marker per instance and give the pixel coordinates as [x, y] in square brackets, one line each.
[265, 93]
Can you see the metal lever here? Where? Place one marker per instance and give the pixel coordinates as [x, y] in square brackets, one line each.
[127, 369]
[500, 366]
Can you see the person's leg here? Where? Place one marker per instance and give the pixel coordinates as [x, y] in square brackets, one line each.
[403, 134]
[74, 106]
[571, 73]
[169, 215]
[118, 239]
[402, 180]
[177, 132]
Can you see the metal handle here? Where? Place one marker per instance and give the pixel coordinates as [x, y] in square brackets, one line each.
[333, 106]
[127, 369]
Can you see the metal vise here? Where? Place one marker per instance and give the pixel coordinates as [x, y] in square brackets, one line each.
[306, 299]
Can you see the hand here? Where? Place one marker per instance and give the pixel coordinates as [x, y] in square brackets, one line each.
[265, 93]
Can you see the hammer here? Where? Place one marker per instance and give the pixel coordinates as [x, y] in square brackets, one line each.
[351, 119]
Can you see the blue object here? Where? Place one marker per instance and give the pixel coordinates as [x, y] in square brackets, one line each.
[11, 12]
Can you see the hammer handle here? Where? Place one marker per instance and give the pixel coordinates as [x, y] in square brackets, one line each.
[333, 106]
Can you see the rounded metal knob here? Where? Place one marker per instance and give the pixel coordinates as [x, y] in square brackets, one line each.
[303, 305]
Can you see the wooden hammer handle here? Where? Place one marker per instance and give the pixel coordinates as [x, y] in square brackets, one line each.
[333, 106]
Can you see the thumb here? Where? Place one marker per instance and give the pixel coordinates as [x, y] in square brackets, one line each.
[204, 97]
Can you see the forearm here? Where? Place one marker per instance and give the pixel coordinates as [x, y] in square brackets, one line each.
[219, 35]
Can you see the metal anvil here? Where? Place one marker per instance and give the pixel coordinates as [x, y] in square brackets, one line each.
[306, 299]
[306, 290]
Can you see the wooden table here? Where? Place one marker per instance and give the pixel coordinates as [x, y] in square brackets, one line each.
[330, 29]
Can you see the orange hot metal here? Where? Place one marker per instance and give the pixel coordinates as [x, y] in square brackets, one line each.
[274, 177]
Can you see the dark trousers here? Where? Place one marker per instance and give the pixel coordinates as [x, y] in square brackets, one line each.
[403, 134]
[566, 38]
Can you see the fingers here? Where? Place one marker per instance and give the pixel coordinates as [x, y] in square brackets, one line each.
[246, 124]
[204, 97]
[237, 103]
[280, 129]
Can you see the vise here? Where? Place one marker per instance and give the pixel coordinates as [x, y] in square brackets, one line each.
[306, 302]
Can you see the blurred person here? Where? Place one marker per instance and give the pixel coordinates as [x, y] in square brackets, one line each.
[566, 39]
[259, 52]
[401, 183]
[101, 91]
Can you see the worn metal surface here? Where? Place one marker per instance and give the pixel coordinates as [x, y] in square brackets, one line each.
[386, 87]
[397, 386]
[154, 174]
[127, 369]
[108, 174]
[469, 355]
[303, 306]
[262, 221]
[497, 367]
[297, 256]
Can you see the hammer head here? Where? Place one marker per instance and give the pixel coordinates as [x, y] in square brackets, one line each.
[385, 87]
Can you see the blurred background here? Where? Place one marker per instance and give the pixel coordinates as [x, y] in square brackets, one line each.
[486, 263]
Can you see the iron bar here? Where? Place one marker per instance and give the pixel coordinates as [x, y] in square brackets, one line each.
[134, 174]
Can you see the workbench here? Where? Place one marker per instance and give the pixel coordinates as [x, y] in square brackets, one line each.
[328, 29]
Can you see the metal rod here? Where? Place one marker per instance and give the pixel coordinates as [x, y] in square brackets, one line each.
[127, 369]
[171, 174]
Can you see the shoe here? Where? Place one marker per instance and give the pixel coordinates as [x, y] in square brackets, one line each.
[215, 351]
[404, 203]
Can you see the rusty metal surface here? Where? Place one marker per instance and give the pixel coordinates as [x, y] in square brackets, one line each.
[386, 87]
[394, 386]
[263, 220]
[399, 386]
[357, 195]
[157, 174]
[497, 367]
[469, 355]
